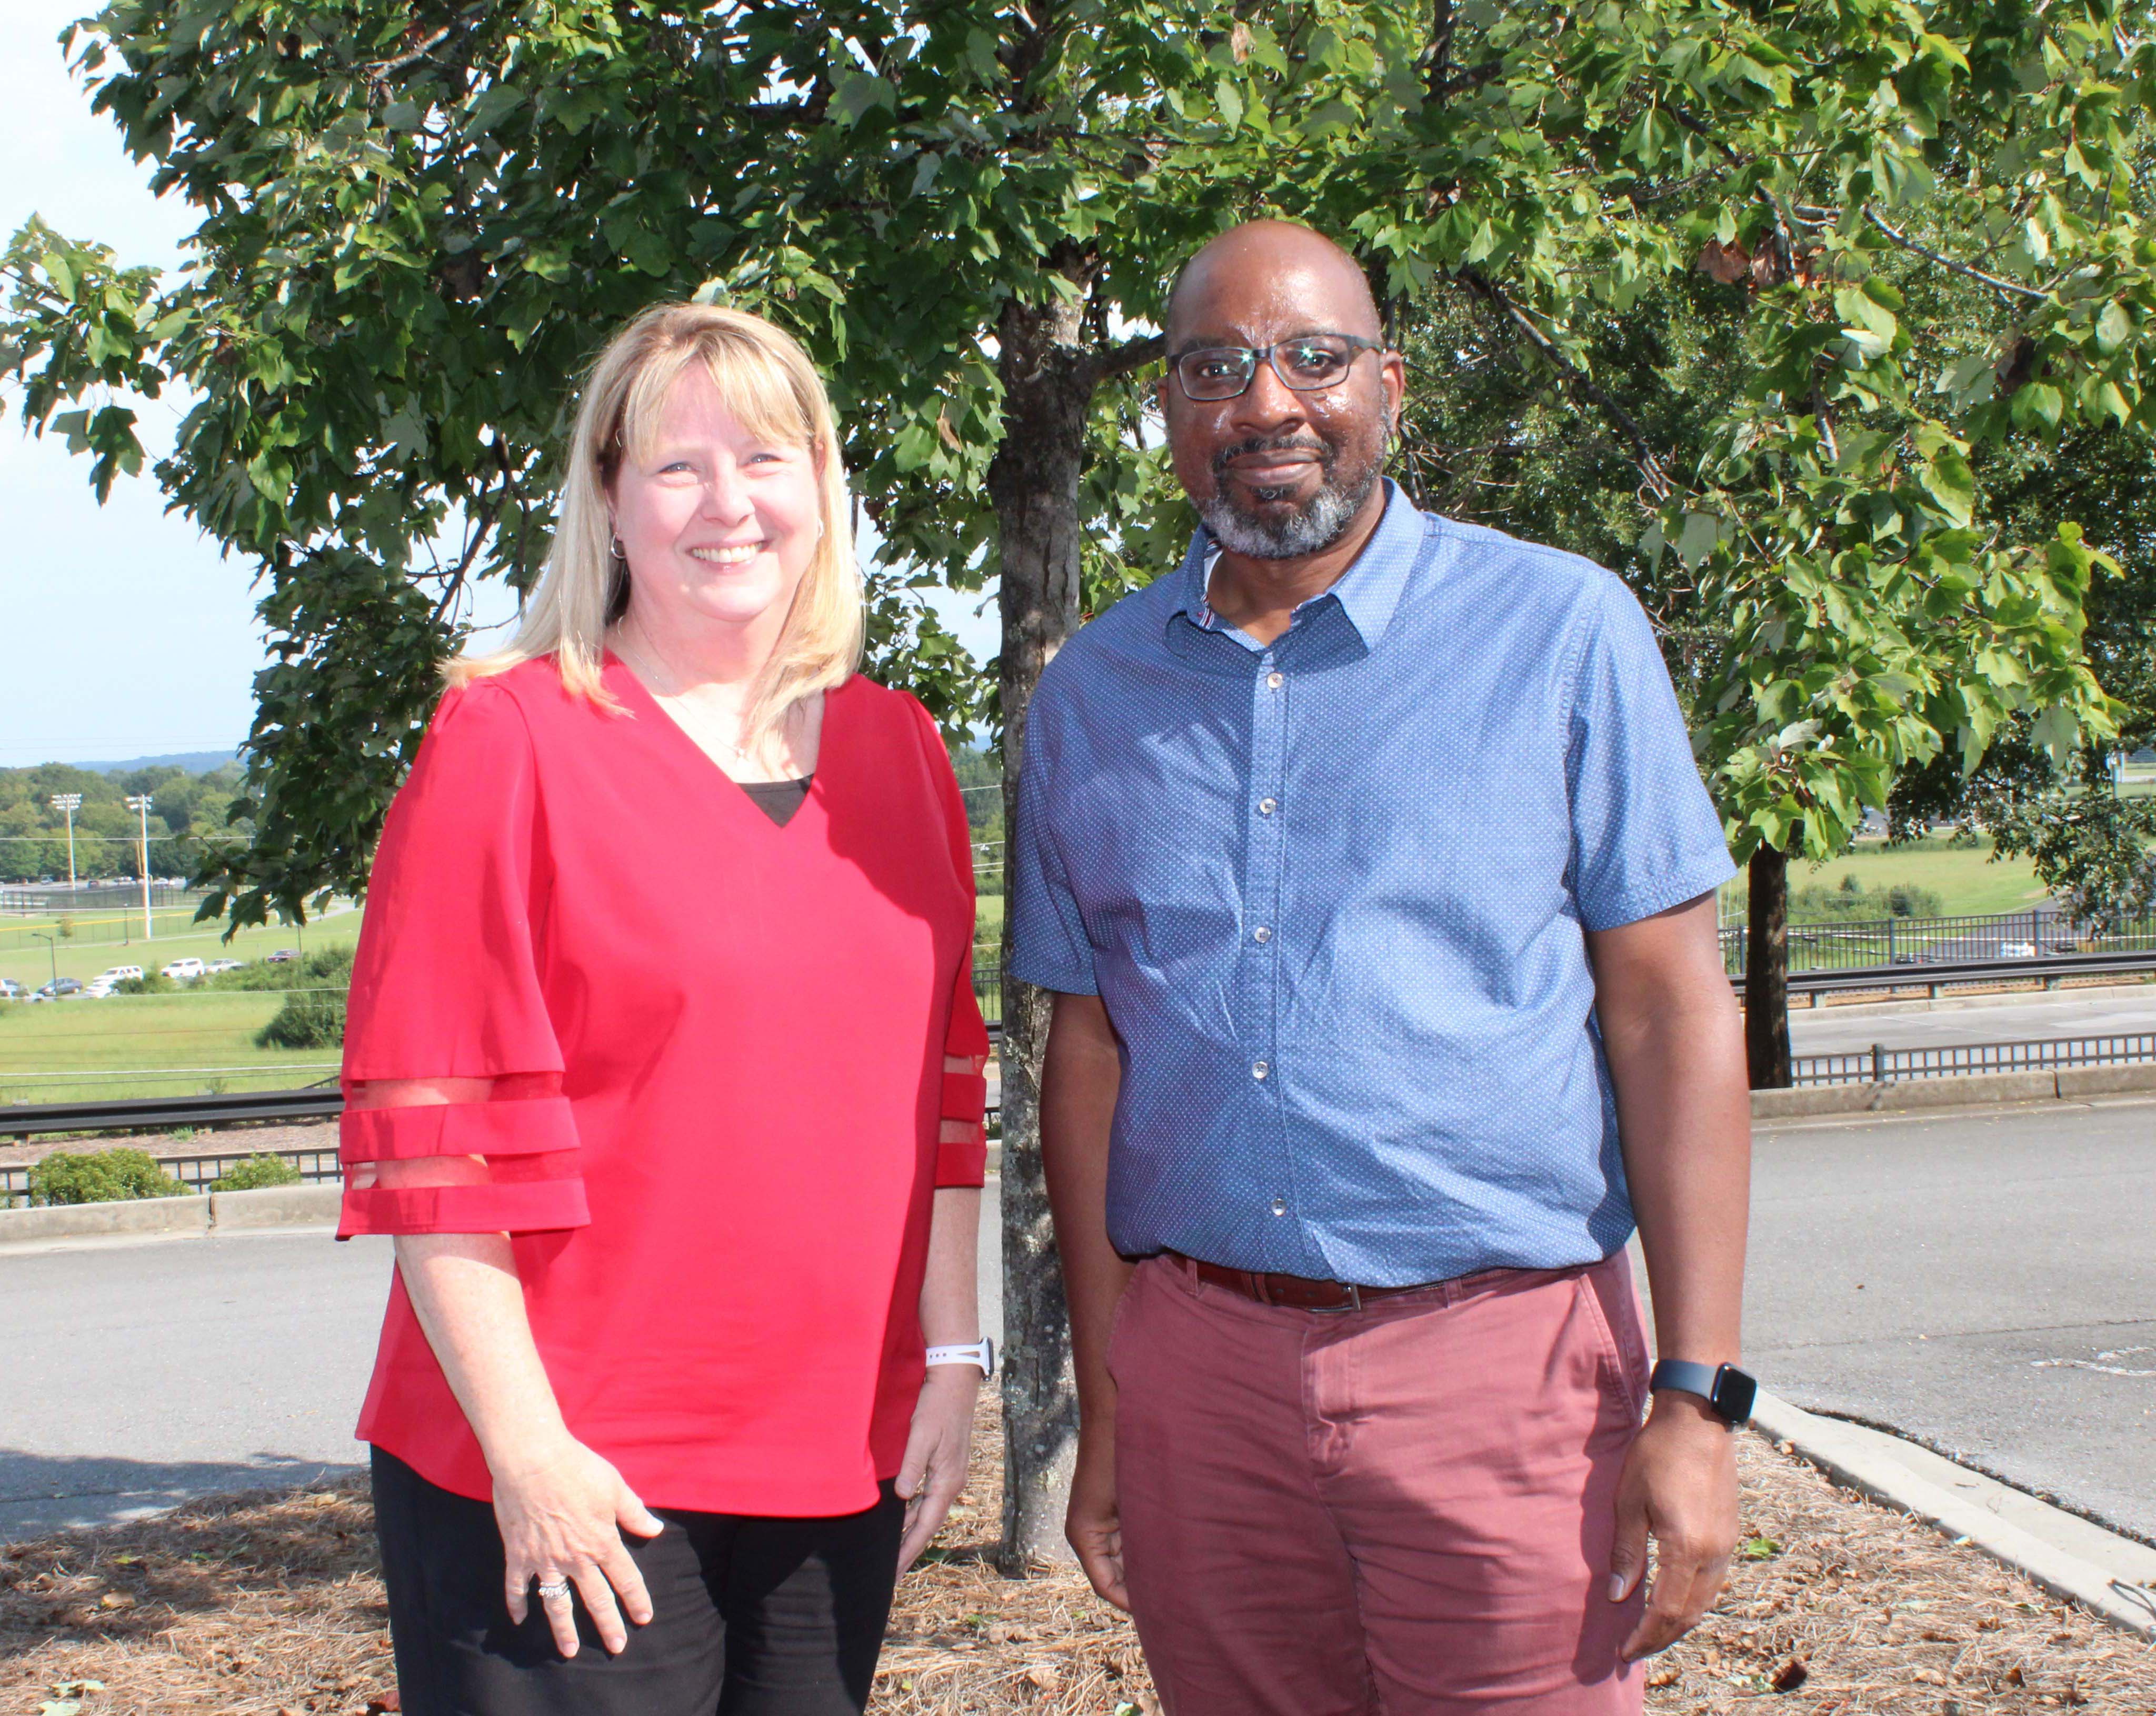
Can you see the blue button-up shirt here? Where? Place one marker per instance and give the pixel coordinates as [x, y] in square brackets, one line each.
[1333, 890]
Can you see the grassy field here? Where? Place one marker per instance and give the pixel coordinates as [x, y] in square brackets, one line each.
[28, 962]
[1964, 878]
[127, 1046]
[187, 1042]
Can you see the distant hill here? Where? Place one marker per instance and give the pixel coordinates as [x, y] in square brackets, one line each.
[194, 762]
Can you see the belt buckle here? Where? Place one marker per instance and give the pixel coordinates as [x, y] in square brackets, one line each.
[1354, 1301]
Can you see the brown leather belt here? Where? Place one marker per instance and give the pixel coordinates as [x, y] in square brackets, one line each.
[1298, 1291]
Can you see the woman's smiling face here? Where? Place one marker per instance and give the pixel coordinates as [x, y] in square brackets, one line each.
[718, 525]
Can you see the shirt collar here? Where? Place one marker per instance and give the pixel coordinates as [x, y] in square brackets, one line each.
[1368, 591]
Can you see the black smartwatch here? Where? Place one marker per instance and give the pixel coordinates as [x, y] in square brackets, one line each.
[1729, 1390]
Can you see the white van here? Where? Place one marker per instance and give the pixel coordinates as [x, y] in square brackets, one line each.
[184, 970]
[117, 974]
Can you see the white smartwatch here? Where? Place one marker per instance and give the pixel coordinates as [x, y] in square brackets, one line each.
[982, 1353]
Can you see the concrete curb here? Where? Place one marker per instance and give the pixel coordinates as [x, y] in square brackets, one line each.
[1846, 1457]
[2068, 1084]
[195, 1217]
[138, 1215]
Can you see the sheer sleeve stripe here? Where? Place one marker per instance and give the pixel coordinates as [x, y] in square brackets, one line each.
[529, 1146]
[530, 1127]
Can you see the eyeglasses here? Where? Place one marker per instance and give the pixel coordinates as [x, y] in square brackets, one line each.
[1304, 365]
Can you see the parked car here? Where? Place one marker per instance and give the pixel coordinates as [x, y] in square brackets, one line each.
[10, 991]
[283, 956]
[117, 974]
[2017, 950]
[58, 989]
[218, 965]
[184, 970]
[98, 988]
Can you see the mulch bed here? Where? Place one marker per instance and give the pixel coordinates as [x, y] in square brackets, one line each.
[268, 1605]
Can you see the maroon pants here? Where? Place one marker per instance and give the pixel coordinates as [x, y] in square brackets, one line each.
[1406, 1509]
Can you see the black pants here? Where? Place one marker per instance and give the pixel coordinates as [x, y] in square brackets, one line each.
[750, 1616]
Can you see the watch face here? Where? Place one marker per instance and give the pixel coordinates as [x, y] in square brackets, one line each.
[1734, 1392]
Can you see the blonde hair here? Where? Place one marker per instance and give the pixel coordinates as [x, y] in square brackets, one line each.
[769, 384]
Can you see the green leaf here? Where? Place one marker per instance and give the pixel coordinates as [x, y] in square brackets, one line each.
[2114, 328]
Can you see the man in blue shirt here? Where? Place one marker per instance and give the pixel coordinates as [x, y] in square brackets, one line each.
[1367, 857]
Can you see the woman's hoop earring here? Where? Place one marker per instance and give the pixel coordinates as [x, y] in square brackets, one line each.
[614, 545]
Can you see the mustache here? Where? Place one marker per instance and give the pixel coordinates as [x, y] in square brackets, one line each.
[1275, 444]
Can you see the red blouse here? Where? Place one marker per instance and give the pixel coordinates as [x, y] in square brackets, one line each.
[720, 1046]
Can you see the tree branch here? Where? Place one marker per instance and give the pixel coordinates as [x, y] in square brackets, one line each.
[1443, 21]
[1131, 354]
[1644, 455]
[1992, 280]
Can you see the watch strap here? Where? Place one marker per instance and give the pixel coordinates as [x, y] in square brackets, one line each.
[1729, 1390]
[982, 1353]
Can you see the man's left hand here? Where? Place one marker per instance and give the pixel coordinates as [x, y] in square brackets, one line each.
[1679, 1486]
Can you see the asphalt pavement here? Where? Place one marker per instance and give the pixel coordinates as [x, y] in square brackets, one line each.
[1987, 1019]
[1983, 1282]
[137, 1374]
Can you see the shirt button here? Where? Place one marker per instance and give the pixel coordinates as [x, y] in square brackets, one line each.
[1280, 1206]
[1259, 1069]
[1261, 934]
[1267, 807]
[1274, 682]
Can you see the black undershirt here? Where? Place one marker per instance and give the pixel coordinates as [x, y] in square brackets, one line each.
[778, 799]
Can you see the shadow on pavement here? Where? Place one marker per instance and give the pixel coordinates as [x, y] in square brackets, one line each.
[43, 1492]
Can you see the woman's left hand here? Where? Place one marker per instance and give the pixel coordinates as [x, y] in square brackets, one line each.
[934, 1469]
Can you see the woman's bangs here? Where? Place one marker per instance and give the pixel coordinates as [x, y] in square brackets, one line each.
[756, 388]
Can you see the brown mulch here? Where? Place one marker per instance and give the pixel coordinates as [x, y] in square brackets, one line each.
[268, 1605]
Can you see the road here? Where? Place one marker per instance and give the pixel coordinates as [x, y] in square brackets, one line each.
[137, 1375]
[1984, 1282]
[1848, 1031]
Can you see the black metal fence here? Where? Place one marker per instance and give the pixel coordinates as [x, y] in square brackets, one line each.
[1847, 944]
[1881, 1064]
[197, 1172]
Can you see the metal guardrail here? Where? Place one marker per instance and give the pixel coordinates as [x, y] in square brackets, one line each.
[1881, 1064]
[2045, 967]
[316, 1103]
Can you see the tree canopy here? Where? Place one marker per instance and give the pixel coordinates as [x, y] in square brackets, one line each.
[1908, 235]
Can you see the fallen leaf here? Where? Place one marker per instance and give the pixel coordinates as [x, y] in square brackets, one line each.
[1667, 1675]
[1790, 1676]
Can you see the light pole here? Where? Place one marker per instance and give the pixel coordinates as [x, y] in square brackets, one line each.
[67, 804]
[139, 802]
[52, 947]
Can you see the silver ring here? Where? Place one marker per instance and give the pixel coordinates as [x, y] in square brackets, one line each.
[548, 1593]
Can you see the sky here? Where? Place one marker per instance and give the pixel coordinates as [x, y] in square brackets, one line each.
[123, 632]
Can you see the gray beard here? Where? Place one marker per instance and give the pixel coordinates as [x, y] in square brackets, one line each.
[1313, 530]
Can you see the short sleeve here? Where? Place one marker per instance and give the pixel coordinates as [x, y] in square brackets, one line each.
[1645, 834]
[1048, 947]
[962, 1150]
[446, 985]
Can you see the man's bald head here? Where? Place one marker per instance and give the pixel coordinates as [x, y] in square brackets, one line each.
[1275, 258]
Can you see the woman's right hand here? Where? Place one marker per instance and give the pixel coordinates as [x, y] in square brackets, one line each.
[562, 1515]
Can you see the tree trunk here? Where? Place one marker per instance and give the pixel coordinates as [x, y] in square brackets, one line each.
[1767, 971]
[1048, 379]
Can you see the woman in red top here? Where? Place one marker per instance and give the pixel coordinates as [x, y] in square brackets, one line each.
[664, 1067]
